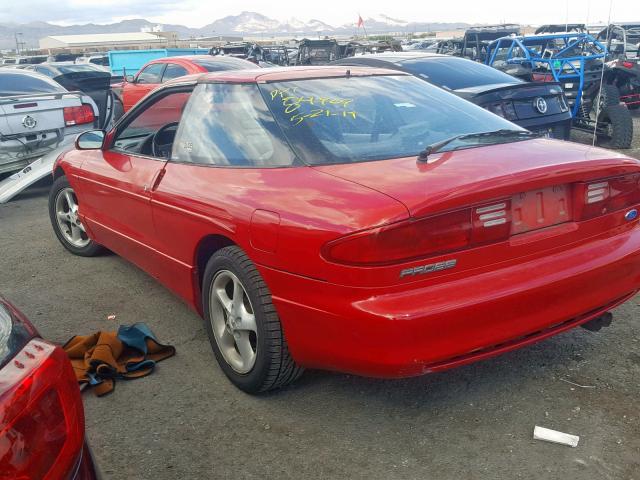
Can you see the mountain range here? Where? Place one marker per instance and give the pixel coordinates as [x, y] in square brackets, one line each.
[244, 24]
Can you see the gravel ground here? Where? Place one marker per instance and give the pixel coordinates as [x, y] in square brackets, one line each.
[187, 421]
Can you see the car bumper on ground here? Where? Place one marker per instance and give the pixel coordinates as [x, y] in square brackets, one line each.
[377, 333]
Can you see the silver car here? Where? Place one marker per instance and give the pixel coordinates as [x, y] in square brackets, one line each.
[37, 116]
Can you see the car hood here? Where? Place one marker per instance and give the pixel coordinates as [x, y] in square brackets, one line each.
[465, 177]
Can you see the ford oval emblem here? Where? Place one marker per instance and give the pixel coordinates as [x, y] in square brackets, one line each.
[631, 215]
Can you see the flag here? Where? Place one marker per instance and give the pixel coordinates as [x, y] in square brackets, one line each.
[360, 22]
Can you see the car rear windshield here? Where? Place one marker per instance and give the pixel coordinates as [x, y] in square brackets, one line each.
[219, 64]
[455, 73]
[25, 83]
[355, 119]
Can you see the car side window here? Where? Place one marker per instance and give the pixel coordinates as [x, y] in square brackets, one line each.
[154, 121]
[151, 73]
[173, 71]
[230, 125]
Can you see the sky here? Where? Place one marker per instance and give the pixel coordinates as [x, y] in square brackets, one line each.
[197, 13]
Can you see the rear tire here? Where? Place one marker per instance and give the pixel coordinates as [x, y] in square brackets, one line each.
[610, 95]
[63, 212]
[620, 126]
[268, 365]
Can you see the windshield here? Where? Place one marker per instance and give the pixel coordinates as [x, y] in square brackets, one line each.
[456, 73]
[356, 119]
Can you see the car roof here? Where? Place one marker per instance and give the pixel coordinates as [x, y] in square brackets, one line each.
[262, 75]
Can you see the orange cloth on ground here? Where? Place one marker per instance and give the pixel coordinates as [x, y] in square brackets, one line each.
[100, 358]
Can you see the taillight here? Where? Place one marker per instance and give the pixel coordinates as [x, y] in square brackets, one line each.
[503, 109]
[605, 196]
[542, 77]
[563, 103]
[627, 64]
[78, 115]
[41, 414]
[429, 236]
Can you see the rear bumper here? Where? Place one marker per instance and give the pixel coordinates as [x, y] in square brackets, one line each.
[375, 332]
[14, 154]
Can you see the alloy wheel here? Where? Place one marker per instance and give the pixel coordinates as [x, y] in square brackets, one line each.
[233, 321]
[68, 219]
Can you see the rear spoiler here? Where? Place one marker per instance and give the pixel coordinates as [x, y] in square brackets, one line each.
[38, 96]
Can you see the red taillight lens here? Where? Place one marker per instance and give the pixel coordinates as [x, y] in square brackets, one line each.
[605, 196]
[429, 236]
[627, 64]
[542, 77]
[78, 115]
[41, 414]
[403, 241]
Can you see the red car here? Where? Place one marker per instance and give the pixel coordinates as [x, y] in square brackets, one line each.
[41, 419]
[353, 219]
[162, 70]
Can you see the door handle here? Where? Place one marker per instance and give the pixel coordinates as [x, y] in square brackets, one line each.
[154, 182]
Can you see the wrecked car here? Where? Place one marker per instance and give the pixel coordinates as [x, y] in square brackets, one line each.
[90, 79]
[37, 115]
[353, 219]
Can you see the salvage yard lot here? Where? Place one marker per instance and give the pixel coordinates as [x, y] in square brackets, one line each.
[188, 421]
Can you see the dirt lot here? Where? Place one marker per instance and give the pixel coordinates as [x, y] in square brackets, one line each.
[187, 421]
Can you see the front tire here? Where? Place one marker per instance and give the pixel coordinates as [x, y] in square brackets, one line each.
[65, 220]
[243, 326]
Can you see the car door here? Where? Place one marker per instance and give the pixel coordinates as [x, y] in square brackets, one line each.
[147, 79]
[116, 182]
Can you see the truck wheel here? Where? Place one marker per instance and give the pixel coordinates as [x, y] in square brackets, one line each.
[617, 122]
[609, 95]
[243, 326]
[63, 212]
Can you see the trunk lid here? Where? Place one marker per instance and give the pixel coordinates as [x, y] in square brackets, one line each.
[29, 114]
[457, 179]
[524, 97]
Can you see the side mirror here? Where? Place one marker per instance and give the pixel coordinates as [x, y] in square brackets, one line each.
[129, 78]
[90, 140]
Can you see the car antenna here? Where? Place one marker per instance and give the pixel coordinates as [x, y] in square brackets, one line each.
[348, 73]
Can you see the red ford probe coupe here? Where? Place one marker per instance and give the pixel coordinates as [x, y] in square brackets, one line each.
[353, 219]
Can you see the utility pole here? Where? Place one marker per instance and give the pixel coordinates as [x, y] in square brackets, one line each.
[18, 43]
